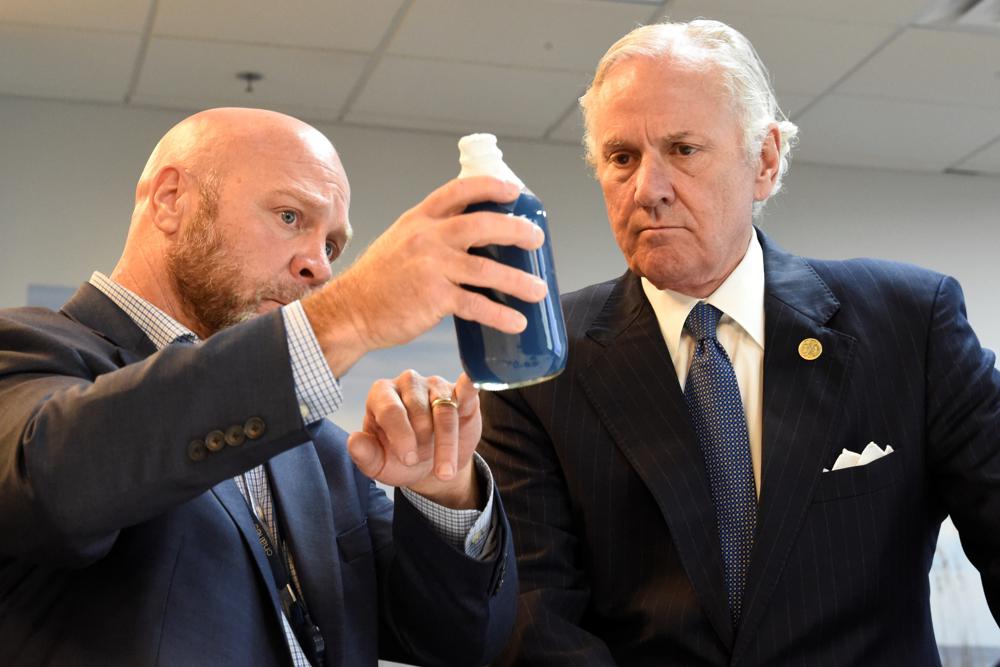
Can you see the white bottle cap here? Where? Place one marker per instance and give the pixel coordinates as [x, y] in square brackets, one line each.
[479, 156]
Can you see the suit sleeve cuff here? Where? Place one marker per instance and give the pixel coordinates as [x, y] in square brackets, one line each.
[471, 531]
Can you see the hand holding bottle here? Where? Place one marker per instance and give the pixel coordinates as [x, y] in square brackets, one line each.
[415, 274]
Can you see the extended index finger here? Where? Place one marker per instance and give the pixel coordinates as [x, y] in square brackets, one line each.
[386, 411]
[454, 196]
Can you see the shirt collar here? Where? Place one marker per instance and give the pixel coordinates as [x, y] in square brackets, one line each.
[159, 327]
[740, 297]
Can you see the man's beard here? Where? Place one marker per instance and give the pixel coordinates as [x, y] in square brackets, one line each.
[208, 276]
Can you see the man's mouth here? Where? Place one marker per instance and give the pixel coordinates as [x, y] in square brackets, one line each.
[660, 228]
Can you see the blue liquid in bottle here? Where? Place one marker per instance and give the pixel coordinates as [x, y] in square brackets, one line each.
[495, 360]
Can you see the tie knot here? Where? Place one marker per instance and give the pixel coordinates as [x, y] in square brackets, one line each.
[703, 321]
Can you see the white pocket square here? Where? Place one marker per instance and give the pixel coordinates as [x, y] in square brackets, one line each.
[849, 459]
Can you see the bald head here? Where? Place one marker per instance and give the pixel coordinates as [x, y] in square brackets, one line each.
[263, 191]
[207, 143]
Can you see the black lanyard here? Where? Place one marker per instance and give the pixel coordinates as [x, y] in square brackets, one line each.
[309, 635]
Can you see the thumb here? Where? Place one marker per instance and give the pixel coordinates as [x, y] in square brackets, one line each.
[367, 453]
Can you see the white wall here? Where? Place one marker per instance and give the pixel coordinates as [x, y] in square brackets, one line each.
[68, 173]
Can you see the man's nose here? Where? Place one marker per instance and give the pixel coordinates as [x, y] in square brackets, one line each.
[654, 183]
[311, 266]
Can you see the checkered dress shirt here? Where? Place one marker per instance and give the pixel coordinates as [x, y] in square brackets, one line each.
[318, 394]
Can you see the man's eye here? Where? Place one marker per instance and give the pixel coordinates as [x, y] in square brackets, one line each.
[289, 217]
[686, 150]
[621, 159]
[331, 250]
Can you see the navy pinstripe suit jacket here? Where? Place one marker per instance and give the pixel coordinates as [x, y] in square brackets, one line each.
[609, 500]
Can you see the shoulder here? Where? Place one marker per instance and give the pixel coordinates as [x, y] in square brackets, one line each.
[29, 317]
[850, 281]
[591, 294]
[583, 305]
[893, 298]
[40, 338]
[880, 284]
[863, 273]
[24, 326]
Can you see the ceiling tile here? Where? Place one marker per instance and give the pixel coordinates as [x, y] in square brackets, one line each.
[465, 97]
[804, 56]
[68, 64]
[792, 104]
[180, 73]
[988, 161]
[119, 15]
[885, 12]
[566, 34]
[850, 130]
[570, 129]
[950, 66]
[356, 25]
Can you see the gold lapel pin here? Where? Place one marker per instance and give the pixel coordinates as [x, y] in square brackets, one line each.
[810, 349]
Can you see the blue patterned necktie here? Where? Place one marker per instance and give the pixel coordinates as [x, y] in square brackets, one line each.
[713, 400]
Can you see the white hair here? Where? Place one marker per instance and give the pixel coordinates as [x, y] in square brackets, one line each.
[705, 43]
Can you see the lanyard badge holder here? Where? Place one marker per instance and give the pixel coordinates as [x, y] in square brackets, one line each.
[306, 631]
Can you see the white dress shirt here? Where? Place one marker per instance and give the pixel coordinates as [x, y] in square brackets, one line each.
[741, 331]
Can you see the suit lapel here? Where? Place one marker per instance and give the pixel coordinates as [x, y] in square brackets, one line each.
[651, 427]
[800, 406]
[306, 520]
[228, 494]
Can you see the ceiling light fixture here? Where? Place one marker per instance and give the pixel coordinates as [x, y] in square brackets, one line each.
[249, 77]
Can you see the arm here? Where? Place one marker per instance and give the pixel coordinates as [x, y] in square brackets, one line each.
[440, 604]
[87, 448]
[963, 433]
[554, 583]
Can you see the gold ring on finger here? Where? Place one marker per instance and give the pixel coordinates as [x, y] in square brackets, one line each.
[444, 400]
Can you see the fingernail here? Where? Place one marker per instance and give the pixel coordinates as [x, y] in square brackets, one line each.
[411, 459]
[539, 234]
[445, 471]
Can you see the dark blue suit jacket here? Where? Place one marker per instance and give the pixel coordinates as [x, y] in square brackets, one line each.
[610, 504]
[117, 548]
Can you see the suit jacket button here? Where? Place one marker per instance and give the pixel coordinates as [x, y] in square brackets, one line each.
[215, 441]
[197, 451]
[235, 436]
[254, 428]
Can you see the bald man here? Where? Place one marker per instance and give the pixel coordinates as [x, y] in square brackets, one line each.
[171, 492]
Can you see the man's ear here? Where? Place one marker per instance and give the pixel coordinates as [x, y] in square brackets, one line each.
[770, 161]
[169, 195]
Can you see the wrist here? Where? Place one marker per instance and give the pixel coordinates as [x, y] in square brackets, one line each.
[462, 492]
[332, 321]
